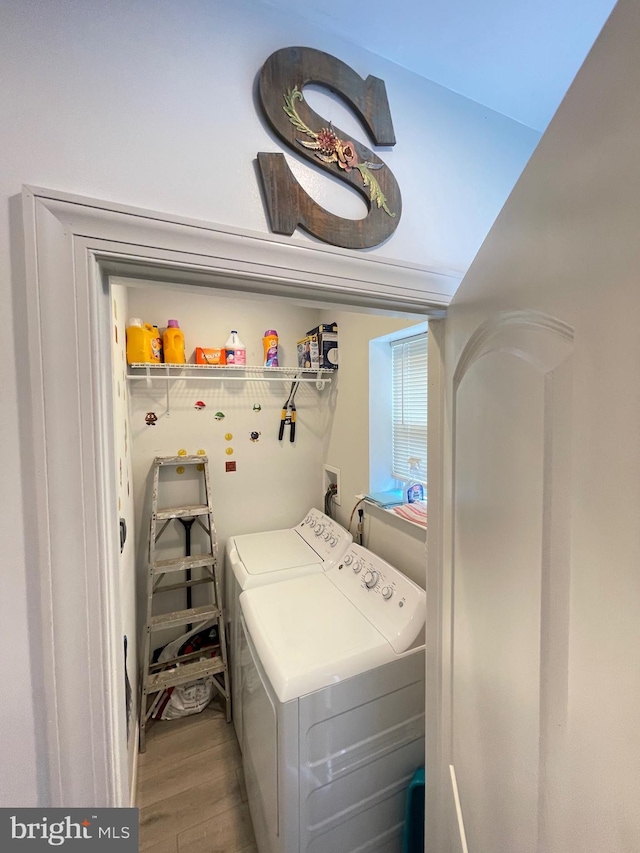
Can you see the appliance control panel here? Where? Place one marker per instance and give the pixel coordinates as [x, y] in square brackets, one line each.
[328, 538]
[392, 602]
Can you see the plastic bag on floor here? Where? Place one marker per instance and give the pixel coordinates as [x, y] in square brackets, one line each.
[186, 699]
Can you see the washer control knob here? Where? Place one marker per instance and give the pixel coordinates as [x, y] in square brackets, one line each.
[348, 559]
[311, 522]
[357, 566]
[371, 578]
[319, 529]
[387, 592]
[327, 536]
[333, 542]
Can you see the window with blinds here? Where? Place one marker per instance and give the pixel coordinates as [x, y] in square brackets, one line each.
[409, 405]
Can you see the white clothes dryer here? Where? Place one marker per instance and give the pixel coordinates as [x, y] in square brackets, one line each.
[333, 706]
[257, 559]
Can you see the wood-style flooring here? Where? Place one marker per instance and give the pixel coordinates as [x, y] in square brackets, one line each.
[191, 792]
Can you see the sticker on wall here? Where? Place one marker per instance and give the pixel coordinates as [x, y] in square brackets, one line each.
[200, 405]
[228, 436]
[255, 436]
[229, 451]
[150, 418]
[257, 407]
[229, 466]
[219, 416]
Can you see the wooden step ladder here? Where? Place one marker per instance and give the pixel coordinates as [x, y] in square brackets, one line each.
[158, 677]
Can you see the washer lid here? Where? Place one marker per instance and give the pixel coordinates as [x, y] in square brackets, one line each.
[274, 550]
[308, 635]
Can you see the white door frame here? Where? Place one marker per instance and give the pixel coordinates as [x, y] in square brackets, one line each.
[72, 246]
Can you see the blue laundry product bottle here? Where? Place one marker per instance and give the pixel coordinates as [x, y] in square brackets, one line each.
[414, 490]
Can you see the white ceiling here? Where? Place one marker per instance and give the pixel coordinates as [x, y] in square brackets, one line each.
[517, 57]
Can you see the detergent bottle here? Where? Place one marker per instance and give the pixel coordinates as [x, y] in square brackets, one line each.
[173, 343]
[140, 338]
[156, 343]
[270, 344]
[235, 350]
[413, 490]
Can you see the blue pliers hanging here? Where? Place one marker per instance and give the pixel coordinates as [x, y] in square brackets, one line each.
[288, 416]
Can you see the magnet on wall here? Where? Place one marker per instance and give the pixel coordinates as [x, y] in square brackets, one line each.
[228, 436]
[180, 469]
[182, 452]
[219, 416]
[200, 405]
[229, 451]
[257, 407]
[229, 466]
[150, 418]
[255, 436]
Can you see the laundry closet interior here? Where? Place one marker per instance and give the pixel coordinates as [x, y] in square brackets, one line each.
[264, 475]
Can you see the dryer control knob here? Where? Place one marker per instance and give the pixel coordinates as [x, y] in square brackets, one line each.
[357, 566]
[348, 559]
[387, 592]
[371, 578]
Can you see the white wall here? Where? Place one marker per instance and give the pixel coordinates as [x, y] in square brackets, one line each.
[348, 447]
[151, 105]
[275, 482]
[566, 246]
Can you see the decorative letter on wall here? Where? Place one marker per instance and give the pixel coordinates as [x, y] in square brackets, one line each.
[282, 80]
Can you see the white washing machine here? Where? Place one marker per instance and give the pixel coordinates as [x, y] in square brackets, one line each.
[256, 559]
[333, 706]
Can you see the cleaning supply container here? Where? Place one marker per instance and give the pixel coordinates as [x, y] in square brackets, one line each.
[173, 343]
[140, 337]
[270, 345]
[235, 350]
[156, 344]
[413, 833]
[414, 490]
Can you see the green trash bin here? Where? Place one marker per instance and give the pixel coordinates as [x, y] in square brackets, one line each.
[413, 835]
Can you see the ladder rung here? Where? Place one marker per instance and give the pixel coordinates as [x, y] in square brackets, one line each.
[183, 674]
[180, 460]
[183, 511]
[162, 567]
[197, 655]
[184, 617]
[183, 585]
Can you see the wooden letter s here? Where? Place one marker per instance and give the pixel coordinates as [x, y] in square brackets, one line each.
[282, 79]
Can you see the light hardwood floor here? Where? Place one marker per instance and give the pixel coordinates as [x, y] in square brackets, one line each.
[191, 793]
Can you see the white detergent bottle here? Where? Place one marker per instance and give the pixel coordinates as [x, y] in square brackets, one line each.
[414, 490]
[235, 350]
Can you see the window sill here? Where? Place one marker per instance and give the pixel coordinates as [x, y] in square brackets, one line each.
[387, 515]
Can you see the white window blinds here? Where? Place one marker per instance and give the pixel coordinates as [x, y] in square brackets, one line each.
[409, 405]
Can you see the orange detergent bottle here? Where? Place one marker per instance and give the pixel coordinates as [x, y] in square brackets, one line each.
[173, 343]
[141, 346]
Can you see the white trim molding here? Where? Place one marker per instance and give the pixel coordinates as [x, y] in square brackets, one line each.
[73, 245]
